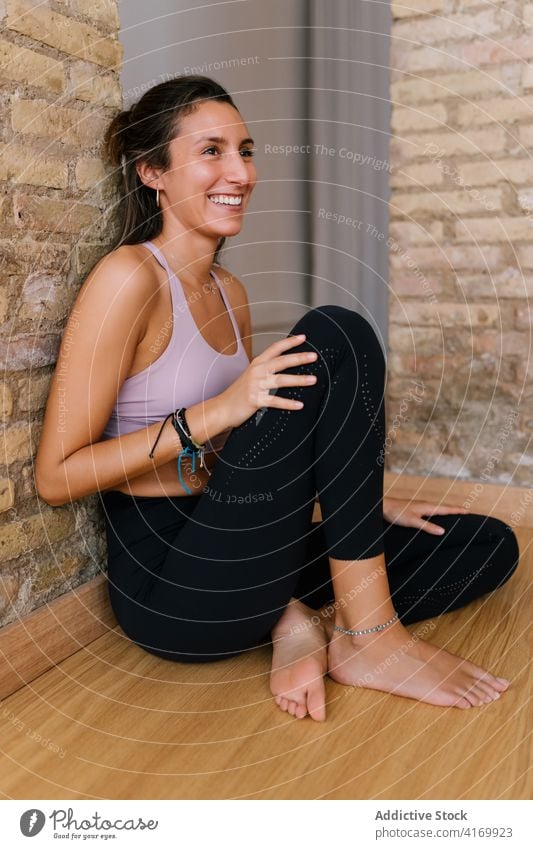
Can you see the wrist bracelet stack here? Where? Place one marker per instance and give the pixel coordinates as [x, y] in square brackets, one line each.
[191, 447]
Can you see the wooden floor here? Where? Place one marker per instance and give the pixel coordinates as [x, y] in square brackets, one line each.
[114, 722]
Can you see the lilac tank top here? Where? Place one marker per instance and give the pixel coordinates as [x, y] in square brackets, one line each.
[187, 372]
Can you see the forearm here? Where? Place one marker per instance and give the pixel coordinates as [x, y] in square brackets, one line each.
[207, 419]
[109, 463]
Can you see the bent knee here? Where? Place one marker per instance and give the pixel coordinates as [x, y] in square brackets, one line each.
[338, 316]
[506, 555]
[335, 323]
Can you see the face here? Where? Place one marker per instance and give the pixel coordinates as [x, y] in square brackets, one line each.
[212, 173]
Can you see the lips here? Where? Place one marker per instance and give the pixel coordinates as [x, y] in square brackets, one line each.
[226, 201]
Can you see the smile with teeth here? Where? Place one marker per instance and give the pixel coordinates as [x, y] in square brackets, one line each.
[226, 200]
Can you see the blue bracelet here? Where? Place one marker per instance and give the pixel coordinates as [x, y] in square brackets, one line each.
[180, 455]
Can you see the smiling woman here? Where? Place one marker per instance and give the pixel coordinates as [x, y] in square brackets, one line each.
[186, 159]
[202, 571]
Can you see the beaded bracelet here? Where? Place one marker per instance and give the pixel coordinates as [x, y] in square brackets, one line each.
[191, 447]
[181, 422]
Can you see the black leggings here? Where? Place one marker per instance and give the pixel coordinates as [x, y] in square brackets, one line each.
[204, 577]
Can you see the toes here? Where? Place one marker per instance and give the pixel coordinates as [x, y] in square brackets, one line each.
[462, 703]
[502, 682]
[484, 675]
[474, 696]
[498, 684]
[294, 708]
[484, 694]
[470, 695]
[493, 686]
[316, 703]
[297, 709]
[488, 678]
[488, 688]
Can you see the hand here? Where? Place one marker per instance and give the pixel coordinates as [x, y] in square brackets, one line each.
[409, 513]
[250, 391]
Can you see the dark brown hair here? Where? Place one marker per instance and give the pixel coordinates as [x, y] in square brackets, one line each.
[143, 133]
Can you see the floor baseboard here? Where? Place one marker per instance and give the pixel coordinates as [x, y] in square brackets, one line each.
[51, 633]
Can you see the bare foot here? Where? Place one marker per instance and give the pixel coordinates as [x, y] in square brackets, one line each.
[396, 661]
[299, 662]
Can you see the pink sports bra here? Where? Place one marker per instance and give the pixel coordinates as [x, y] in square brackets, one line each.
[188, 371]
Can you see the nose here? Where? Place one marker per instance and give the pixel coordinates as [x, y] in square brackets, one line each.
[236, 169]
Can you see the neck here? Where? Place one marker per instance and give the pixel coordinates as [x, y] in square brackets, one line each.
[189, 255]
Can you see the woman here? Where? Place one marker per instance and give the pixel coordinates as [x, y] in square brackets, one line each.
[216, 553]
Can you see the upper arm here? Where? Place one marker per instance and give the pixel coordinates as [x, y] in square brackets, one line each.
[95, 356]
[239, 303]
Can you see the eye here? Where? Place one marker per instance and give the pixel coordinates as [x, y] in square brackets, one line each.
[247, 151]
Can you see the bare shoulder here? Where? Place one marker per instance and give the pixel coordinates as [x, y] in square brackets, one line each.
[124, 281]
[238, 298]
[95, 356]
[127, 265]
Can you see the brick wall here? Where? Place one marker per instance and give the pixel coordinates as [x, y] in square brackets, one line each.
[461, 250]
[460, 399]
[59, 66]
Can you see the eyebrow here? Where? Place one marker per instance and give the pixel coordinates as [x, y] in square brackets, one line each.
[221, 140]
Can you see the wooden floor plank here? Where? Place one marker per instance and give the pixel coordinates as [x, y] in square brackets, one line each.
[117, 722]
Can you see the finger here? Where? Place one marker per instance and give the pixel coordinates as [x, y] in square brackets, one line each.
[282, 403]
[439, 509]
[280, 346]
[290, 360]
[431, 528]
[279, 380]
[417, 522]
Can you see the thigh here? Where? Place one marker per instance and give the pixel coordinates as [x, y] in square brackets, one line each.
[227, 578]
[197, 585]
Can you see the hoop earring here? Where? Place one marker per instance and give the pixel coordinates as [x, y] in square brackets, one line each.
[157, 198]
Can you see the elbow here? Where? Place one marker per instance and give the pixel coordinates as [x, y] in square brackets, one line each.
[47, 492]
[53, 502]
[48, 496]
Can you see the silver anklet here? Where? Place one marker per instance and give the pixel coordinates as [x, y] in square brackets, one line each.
[367, 630]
